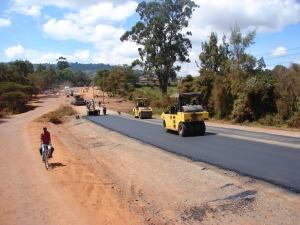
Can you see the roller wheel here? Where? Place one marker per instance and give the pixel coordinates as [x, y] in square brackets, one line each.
[197, 128]
[191, 129]
[202, 128]
[182, 130]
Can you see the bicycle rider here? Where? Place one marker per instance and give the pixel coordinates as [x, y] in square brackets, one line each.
[46, 139]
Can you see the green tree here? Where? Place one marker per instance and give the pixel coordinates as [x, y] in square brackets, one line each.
[261, 65]
[131, 77]
[81, 79]
[62, 63]
[210, 57]
[204, 84]
[49, 76]
[99, 79]
[65, 76]
[241, 61]
[3, 72]
[15, 100]
[186, 84]
[221, 100]
[40, 68]
[161, 39]
[115, 80]
[288, 88]
[23, 69]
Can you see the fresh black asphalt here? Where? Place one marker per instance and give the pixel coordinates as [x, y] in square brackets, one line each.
[275, 159]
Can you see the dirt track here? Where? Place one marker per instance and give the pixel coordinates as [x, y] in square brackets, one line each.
[98, 176]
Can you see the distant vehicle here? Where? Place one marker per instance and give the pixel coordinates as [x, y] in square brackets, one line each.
[78, 100]
[91, 109]
[142, 109]
[48, 92]
[66, 87]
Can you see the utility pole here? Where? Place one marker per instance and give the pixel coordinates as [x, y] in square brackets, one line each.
[103, 87]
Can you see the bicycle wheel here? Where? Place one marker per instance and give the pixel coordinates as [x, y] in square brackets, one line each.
[46, 153]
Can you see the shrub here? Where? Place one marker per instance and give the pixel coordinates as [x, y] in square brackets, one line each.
[294, 121]
[15, 100]
[157, 111]
[55, 117]
[241, 111]
[271, 120]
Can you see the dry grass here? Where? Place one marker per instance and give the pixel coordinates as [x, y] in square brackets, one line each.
[57, 115]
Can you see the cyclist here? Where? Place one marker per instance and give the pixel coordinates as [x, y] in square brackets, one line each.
[46, 139]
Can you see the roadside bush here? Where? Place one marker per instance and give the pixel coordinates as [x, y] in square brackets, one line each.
[241, 111]
[15, 100]
[157, 111]
[162, 104]
[55, 117]
[294, 121]
[271, 120]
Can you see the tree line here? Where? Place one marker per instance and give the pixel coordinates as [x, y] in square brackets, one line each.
[19, 81]
[234, 84]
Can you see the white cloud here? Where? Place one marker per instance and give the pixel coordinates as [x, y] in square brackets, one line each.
[82, 56]
[219, 16]
[120, 54]
[63, 30]
[279, 51]
[73, 4]
[15, 52]
[34, 10]
[4, 22]
[102, 13]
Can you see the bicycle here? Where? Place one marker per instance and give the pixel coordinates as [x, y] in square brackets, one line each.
[45, 154]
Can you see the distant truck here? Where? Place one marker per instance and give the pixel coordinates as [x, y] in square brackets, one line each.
[48, 92]
[91, 109]
[78, 100]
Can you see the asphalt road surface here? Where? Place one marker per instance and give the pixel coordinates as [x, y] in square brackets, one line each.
[272, 158]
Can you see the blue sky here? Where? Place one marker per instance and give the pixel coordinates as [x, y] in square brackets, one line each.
[89, 31]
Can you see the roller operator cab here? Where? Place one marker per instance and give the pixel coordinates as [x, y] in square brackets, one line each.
[186, 116]
[142, 109]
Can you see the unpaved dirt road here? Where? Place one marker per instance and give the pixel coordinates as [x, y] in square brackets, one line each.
[98, 176]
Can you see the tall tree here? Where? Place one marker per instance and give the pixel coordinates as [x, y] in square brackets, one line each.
[288, 88]
[261, 64]
[241, 61]
[100, 77]
[160, 36]
[49, 76]
[62, 63]
[210, 56]
[81, 79]
[23, 69]
[115, 80]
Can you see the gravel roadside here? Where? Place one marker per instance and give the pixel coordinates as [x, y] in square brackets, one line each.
[162, 188]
